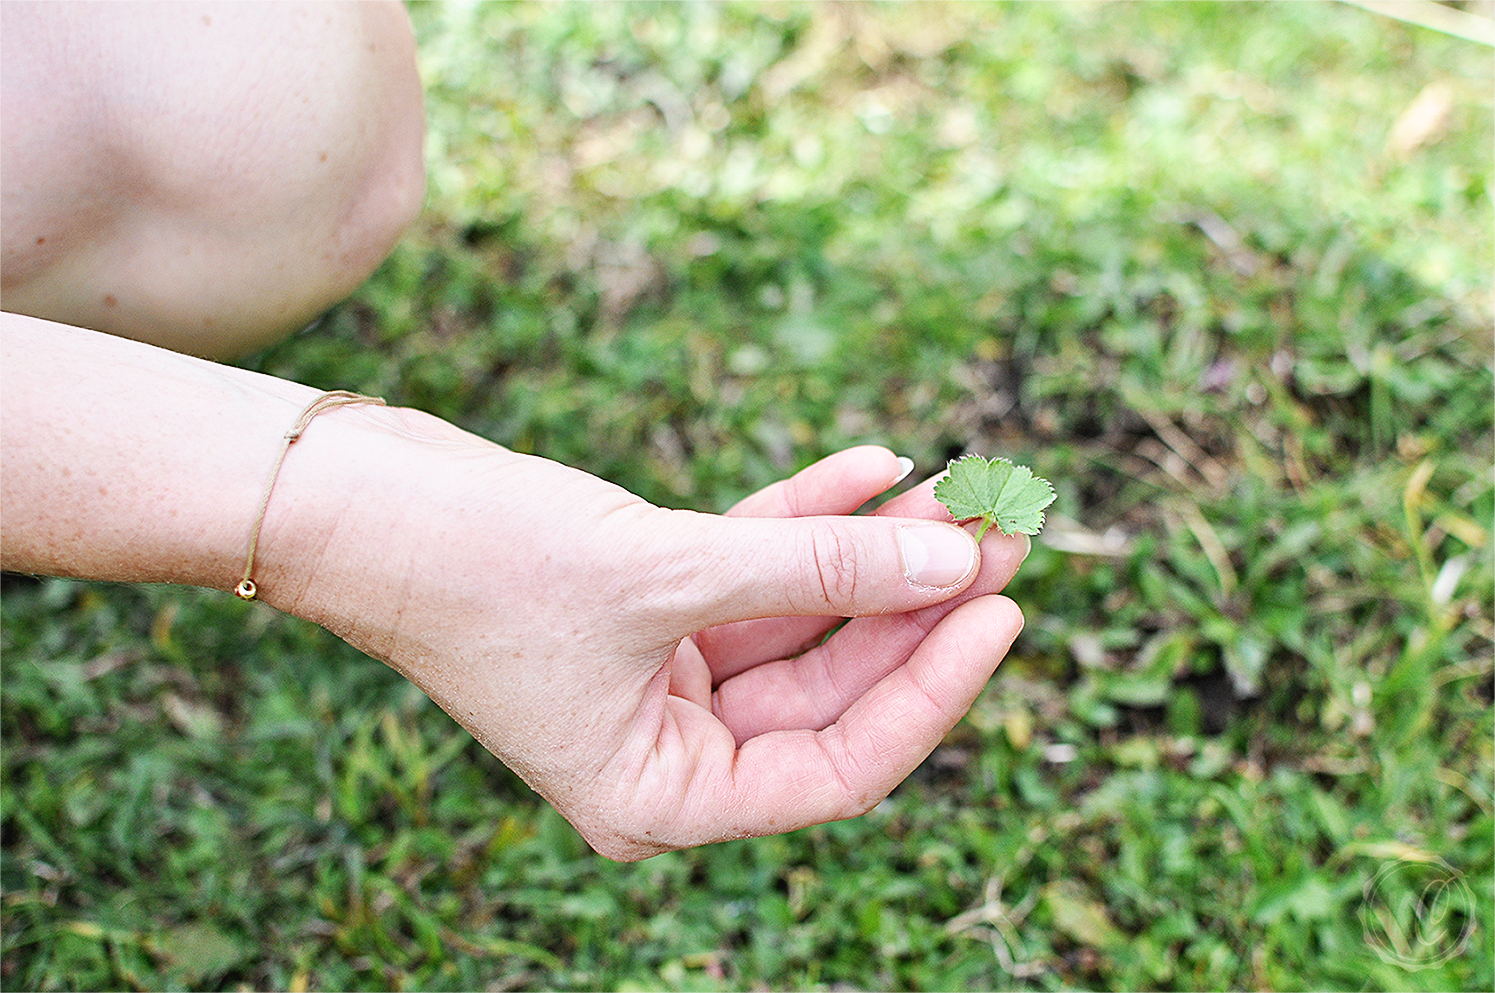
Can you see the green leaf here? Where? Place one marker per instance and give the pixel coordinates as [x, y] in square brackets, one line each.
[997, 491]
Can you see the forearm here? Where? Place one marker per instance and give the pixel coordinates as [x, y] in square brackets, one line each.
[127, 462]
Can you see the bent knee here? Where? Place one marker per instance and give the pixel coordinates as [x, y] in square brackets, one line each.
[262, 162]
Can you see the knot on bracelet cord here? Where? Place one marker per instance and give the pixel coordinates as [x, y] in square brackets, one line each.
[246, 590]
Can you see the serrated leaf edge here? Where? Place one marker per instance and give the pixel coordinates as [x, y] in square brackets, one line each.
[991, 519]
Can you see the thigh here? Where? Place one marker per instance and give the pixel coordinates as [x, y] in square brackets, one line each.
[203, 176]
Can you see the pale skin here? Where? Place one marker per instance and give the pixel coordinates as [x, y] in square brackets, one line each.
[656, 674]
[205, 177]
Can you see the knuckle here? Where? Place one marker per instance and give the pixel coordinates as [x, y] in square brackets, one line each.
[861, 785]
[833, 559]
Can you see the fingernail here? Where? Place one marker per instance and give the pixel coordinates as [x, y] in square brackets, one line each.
[1027, 549]
[905, 466]
[936, 555]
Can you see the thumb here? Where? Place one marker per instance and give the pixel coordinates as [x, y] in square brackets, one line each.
[745, 568]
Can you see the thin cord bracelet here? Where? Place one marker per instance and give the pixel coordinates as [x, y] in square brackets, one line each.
[246, 590]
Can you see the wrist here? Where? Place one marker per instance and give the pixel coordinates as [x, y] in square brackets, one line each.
[311, 498]
[246, 588]
[363, 496]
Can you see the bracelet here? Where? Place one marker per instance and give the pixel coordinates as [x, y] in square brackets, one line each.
[246, 589]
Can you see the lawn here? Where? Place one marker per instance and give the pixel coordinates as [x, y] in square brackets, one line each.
[1221, 272]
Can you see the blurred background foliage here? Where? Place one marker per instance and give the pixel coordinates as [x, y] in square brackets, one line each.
[1222, 272]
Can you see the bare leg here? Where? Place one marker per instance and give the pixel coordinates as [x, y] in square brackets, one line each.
[206, 177]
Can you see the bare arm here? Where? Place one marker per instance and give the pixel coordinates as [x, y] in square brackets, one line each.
[643, 668]
[126, 462]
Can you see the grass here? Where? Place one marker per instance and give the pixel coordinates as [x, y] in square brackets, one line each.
[1178, 258]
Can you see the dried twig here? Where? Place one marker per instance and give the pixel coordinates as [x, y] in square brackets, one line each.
[1435, 16]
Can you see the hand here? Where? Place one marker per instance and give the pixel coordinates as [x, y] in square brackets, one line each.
[655, 674]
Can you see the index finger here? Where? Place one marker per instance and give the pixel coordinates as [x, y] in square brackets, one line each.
[917, 501]
[837, 484]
